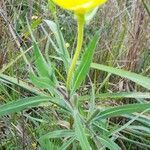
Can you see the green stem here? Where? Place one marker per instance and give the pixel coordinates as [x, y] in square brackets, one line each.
[80, 20]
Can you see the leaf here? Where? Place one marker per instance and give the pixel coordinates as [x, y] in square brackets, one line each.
[22, 104]
[86, 60]
[117, 95]
[139, 79]
[51, 6]
[123, 95]
[63, 52]
[89, 16]
[34, 25]
[135, 142]
[108, 143]
[26, 103]
[146, 7]
[67, 143]
[46, 144]
[80, 132]
[41, 82]
[143, 129]
[11, 80]
[121, 110]
[58, 134]
[141, 118]
[42, 67]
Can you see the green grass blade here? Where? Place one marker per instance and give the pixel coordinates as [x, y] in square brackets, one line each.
[85, 62]
[80, 132]
[139, 79]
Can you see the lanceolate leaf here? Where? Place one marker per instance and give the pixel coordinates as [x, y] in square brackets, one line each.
[106, 96]
[25, 103]
[43, 68]
[139, 79]
[11, 80]
[21, 104]
[123, 95]
[122, 110]
[63, 52]
[108, 143]
[85, 62]
[146, 7]
[58, 134]
[67, 143]
[42, 82]
[80, 132]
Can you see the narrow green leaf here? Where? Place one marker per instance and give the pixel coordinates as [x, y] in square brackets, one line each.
[106, 96]
[42, 67]
[21, 104]
[34, 25]
[101, 128]
[11, 80]
[141, 144]
[89, 16]
[46, 144]
[58, 134]
[121, 110]
[143, 119]
[85, 62]
[146, 7]
[42, 82]
[51, 6]
[142, 129]
[139, 79]
[80, 132]
[63, 52]
[25, 103]
[67, 143]
[108, 143]
[123, 95]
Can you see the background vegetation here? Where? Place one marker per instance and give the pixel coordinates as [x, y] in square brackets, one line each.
[124, 43]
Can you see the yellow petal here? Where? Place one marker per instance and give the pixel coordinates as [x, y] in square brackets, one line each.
[79, 6]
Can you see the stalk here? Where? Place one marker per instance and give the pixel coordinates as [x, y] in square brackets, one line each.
[80, 21]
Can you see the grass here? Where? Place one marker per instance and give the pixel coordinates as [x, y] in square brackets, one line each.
[109, 105]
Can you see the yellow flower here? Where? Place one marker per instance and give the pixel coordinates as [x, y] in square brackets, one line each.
[79, 6]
